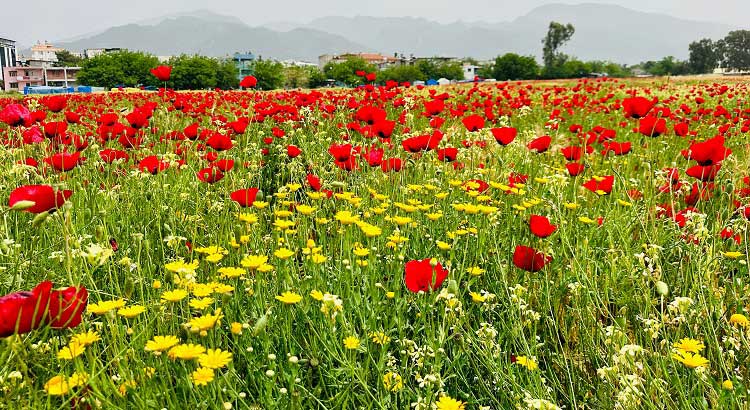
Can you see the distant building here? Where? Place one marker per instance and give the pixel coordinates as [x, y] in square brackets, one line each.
[17, 78]
[43, 55]
[94, 52]
[244, 63]
[470, 71]
[379, 60]
[296, 63]
[7, 55]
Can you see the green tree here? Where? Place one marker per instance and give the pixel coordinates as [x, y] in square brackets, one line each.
[402, 74]
[515, 67]
[452, 70]
[609, 68]
[226, 75]
[666, 66]
[270, 74]
[345, 71]
[704, 56]
[126, 68]
[573, 68]
[435, 69]
[193, 72]
[316, 78]
[557, 35]
[735, 48]
[67, 59]
[296, 77]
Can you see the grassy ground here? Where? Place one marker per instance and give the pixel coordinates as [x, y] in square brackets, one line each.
[598, 327]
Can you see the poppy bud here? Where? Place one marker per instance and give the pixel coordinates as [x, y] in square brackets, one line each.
[99, 233]
[22, 205]
[259, 196]
[169, 277]
[260, 325]
[39, 219]
[662, 288]
[453, 287]
[129, 287]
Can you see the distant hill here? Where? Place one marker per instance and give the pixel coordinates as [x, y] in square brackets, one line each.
[192, 34]
[603, 32]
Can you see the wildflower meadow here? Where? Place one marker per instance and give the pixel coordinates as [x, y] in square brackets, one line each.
[532, 245]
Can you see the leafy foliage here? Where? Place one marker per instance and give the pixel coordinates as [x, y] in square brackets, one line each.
[345, 71]
[122, 68]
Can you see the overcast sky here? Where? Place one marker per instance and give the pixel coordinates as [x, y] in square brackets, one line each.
[35, 20]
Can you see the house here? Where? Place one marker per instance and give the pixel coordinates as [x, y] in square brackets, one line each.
[17, 78]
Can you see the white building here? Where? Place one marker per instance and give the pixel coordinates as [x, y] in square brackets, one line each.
[8, 54]
[470, 71]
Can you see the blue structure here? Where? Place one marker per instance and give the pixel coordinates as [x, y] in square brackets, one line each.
[431, 82]
[244, 63]
[43, 89]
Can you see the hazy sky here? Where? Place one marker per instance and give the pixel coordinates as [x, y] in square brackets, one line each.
[53, 20]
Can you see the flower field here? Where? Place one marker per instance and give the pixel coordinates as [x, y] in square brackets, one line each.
[533, 245]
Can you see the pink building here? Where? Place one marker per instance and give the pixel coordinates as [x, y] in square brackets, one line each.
[17, 78]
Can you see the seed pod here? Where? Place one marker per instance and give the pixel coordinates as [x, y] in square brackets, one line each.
[260, 325]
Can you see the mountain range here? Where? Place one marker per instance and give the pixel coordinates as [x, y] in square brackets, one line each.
[603, 32]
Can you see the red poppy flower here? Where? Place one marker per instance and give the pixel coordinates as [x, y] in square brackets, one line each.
[681, 129]
[109, 155]
[709, 152]
[374, 156]
[138, 119]
[44, 197]
[434, 107]
[293, 151]
[391, 164]
[371, 77]
[529, 259]
[314, 181]
[66, 307]
[55, 129]
[600, 185]
[540, 226]
[637, 107]
[62, 161]
[15, 114]
[244, 197]
[505, 135]
[651, 126]
[447, 154]
[162, 72]
[618, 148]
[219, 142]
[72, 117]
[423, 276]
[55, 103]
[340, 152]
[224, 164]
[473, 122]
[249, 82]
[540, 144]
[705, 173]
[210, 175]
[22, 312]
[152, 165]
